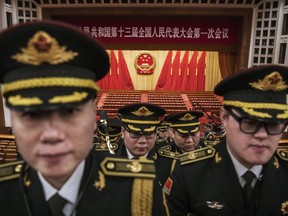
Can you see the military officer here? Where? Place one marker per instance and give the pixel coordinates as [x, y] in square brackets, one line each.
[185, 130]
[48, 72]
[113, 127]
[244, 174]
[139, 125]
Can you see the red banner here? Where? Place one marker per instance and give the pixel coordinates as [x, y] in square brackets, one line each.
[160, 30]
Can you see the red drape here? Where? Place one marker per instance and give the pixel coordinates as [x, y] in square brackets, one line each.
[175, 76]
[184, 72]
[165, 73]
[118, 76]
[124, 79]
[201, 72]
[114, 71]
[192, 84]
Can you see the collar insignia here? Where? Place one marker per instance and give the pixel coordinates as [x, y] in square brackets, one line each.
[276, 163]
[43, 48]
[218, 158]
[273, 81]
[100, 184]
[187, 117]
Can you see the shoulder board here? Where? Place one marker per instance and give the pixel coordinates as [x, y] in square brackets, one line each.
[104, 147]
[10, 170]
[283, 154]
[123, 167]
[197, 155]
[169, 154]
[166, 147]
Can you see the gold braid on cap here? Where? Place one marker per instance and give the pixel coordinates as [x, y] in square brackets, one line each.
[18, 100]
[76, 96]
[186, 131]
[185, 124]
[150, 129]
[250, 108]
[139, 121]
[142, 197]
[49, 82]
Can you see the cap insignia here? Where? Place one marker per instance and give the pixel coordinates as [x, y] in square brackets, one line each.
[187, 117]
[143, 111]
[273, 81]
[43, 48]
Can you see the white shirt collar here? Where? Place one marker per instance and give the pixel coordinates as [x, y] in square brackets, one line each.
[241, 169]
[70, 189]
[130, 156]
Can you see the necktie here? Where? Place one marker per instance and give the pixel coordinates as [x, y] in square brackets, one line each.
[247, 190]
[56, 204]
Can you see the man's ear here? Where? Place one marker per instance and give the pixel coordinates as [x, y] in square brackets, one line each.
[122, 132]
[95, 102]
[224, 115]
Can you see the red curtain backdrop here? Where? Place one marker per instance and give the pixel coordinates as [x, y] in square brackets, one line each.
[201, 72]
[181, 75]
[176, 73]
[124, 78]
[118, 76]
[184, 78]
[193, 80]
[165, 73]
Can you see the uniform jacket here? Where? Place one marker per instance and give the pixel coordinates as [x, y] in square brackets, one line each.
[99, 194]
[208, 185]
[166, 159]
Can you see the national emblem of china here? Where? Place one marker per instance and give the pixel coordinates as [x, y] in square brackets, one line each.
[145, 63]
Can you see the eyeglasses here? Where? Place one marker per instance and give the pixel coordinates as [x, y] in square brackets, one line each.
[251, 126]
[138, 135]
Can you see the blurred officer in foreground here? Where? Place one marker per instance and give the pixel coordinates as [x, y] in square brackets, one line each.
[49, 72]
[245, 174]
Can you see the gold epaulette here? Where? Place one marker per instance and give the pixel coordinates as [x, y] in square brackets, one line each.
[104, 147]
[167, 147]
[197, 155]
[169, 154]
[283, 154]
[10, 170]
[123, 167]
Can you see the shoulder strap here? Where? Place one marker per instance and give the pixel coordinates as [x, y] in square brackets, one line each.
[197, 155]
[128, 168]
[10, 170]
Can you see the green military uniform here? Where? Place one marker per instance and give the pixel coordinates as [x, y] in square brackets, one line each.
[107, 188]
[218, 192]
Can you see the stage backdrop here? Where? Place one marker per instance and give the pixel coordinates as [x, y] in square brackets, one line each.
[173, 70]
